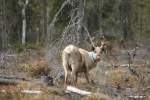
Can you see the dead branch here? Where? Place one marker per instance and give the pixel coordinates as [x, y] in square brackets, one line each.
[52, 24]
[71, 89]
[58, 12]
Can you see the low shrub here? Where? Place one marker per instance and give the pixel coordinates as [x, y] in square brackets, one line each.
[37, 68]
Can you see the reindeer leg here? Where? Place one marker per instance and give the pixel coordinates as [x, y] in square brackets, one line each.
[66, 78]
[86, 76]
[74, 77]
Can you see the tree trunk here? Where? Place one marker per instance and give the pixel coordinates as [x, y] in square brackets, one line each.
[24, 23]
[125, 11]
[47, 24]
[101, 4]
[4, 36]
[23, 27]
[80, 26]
[43, 21]
[141, 17]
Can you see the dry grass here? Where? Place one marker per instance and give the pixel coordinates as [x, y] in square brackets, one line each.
[42, 87]
[31, 86]
[14, 92]
[120, 77]
[37, 68]
[20, 96]
[93, 74]
[97, 96]
[11, 93]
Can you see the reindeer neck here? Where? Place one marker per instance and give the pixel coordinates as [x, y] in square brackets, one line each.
[92, 55]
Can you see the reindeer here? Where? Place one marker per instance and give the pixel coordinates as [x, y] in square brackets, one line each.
[107, 46]
[77, 60]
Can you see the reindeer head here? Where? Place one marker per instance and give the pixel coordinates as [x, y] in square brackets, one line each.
[98, 51]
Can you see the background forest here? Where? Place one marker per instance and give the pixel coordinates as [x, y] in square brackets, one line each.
[42, 21]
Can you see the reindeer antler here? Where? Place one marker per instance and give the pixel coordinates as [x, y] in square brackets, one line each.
[91, 40]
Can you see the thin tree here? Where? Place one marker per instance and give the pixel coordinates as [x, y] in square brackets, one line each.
[24, 25]
[141, 16]
[4, 35]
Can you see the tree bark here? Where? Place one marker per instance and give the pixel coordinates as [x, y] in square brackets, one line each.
[3, 31]
[23, 27]
[80, 26]
[44, 19]
[47, 24]
[24, 22]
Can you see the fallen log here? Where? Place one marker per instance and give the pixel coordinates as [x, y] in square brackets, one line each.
[71, 89]
[31, 92]
[10, 80]
[4, 81]
[12, 77]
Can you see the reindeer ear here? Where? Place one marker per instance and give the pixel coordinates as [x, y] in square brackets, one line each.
[92, 48]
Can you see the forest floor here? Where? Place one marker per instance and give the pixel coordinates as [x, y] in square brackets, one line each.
[112, 79]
